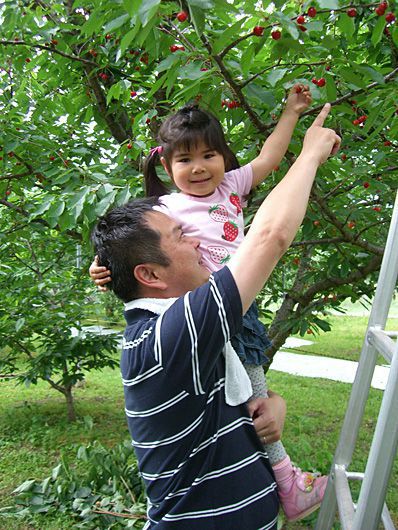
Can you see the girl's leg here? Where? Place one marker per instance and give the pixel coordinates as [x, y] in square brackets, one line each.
[276, 451]
[300, 493]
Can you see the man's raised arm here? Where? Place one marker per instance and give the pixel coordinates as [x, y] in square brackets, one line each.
[281, 214]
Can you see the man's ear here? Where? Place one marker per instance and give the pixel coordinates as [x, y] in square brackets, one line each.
[165, 166]
[149, 276]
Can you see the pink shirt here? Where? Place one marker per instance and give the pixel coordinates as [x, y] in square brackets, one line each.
[217, 219]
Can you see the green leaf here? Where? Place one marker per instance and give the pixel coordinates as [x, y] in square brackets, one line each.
[132, 6]
[19, 324]
[104, 204]
[230, 33]
[372, 73]
[328, 4]
[203, 4]
[148, 10]
[198, 19]
[127, 39]
[377, 32]
[346, 25]
[276, 75]
[116, 23]
[350, 77]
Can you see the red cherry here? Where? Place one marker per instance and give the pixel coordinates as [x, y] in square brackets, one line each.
[181, 48]
[351, 224]
[314, 80]
[276, 35]
[386, 31]
[54, 42]
[302, 28]
[380, 10]
[258, 31]
[296, 261]
[108, 36]
[8, 192]
[93, 52]
[173, 48]
[328, 67]
[133, 93]
[390, 17]
[148, 121]
[321, 82]
[27, 60]
[376, 208]
[387, 143]
[52, 157]
[343, 157]
[317, 222]
[311, 12]
[310, 332]
[366, 185]
[300, 19]
[352, 12]
[129, 146]
[182, 16]
[362, 119]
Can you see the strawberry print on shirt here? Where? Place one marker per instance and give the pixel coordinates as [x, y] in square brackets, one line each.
[215, 220]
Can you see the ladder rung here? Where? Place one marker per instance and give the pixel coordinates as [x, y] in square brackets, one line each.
[343, 496]
[382, 342]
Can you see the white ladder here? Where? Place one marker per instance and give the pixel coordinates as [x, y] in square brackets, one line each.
[370, 508]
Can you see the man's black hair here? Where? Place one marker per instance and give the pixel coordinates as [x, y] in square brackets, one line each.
[122, 240]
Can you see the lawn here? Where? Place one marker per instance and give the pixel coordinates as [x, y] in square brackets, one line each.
[34, 432]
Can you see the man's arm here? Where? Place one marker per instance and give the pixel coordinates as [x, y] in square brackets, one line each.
[277, 143]
[280, 215]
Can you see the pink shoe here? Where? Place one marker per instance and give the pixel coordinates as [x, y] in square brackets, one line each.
[305, 495]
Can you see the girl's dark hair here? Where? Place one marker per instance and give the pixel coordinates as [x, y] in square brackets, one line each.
[185, 129]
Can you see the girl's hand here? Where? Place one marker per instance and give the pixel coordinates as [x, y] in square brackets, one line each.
[99, 275]
[299, 98]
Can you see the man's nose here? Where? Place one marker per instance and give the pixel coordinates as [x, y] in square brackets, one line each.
[195, 242]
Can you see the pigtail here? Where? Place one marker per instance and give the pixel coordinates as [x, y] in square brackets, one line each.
[154, 186]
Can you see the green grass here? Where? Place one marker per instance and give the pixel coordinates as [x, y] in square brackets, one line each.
[34, 431]
[344, 341]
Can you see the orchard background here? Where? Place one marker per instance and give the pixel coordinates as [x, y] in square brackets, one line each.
[84, 86]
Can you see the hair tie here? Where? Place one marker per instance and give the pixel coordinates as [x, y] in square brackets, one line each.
[158, 149]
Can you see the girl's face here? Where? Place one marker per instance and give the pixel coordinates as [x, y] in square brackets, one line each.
[197, 171]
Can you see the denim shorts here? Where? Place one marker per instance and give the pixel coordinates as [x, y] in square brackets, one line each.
[251, 343]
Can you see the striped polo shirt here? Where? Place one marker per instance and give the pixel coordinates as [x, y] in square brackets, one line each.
[201, 460]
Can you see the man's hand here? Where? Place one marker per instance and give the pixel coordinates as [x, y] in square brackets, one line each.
[320, 142]
[99, 275]
[268, 417]
[299, 98]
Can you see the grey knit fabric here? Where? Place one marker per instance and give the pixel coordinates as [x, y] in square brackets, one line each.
[276, 451]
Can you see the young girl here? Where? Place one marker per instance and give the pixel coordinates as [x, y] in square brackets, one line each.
[212, 190]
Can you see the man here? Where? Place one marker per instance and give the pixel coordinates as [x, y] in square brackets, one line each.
[201, 458]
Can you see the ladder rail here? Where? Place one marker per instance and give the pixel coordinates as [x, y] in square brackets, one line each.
[381, 456]
[360, 390]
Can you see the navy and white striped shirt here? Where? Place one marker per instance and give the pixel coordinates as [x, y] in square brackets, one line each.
[201, 460]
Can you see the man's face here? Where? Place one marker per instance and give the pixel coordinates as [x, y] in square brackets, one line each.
[186, 271]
